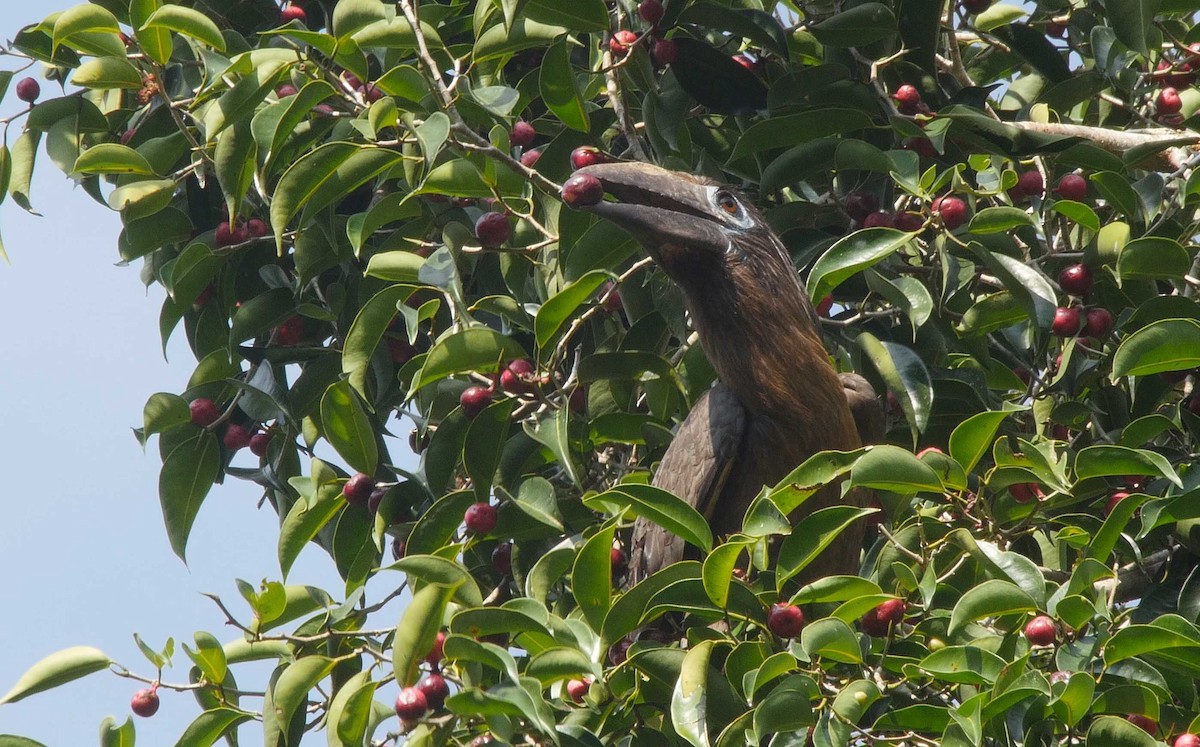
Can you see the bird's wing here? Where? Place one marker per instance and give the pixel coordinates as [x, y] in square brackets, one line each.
[865, 407]
[694, 468]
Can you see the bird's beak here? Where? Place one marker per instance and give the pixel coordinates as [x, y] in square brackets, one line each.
[660, 208]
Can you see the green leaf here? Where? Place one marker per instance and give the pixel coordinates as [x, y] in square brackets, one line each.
[791, 129]
[1116, 731]
[345, 424]
[999, 220]
[524, 33]
[83, 19]
[234, 158]
[299, 108]
[351, 15]
[1000, 14]
[350, 711]
[397, 267]
[111, 158]
[366, 332]
[831, 639]
[307, 516]
[209, 656]
[1133, 23]
[240, 101]
[431, 569]
[486, 436]
[786, 708]
[163, 412]
[749, 23]
[577, 15]
[57, 669]
[905, 375]
[552, 430]
[111, 735]
[1137, 640]
[1104, 460]
[295, 681]
[188, 22]
[1116, 190]
[188, 472]
[459, 177]
[591, 576]
[1153, 257]
[155, 42]
[973, 437]
[141, 199]
[891, 468]
[810, 536]
[1163, 345]
[689, 701]
[417, 631]
[107, 72]
[559, 89]
[989, 599]
[210, 726]
[851, 255]
[718, 570]
[964, 664]
[1078, 212]
[474, 349]
[856, 26]
[663, 508]
[562, 305]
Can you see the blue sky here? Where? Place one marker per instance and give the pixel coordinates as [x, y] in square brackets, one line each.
[84, 559]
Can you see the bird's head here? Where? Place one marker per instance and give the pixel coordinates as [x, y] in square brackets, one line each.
[688, 223]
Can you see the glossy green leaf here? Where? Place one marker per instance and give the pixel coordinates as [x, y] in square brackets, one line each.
[856, 26]
[579, 15]
[417, 631]
[989, 599]
[350, 711]
[209, 656]
[559, 89]
[973, 437]
[474, 349]
[1162, 345]
[235, 157]
[999, 220]
[155, 42]
[811, 535]
[791, 129]
[83, 19]
[831, 639]
[591, 576]
[111, 158]
[1153, 257]
[208, 728]
[905, 375]
[963, 664]
[366, 332]
[140, 199]
[1104, 460]
[163, 412]
[662, 508]
[891, 468]
[57, 669]
[851, 255]
[188, 22]
[431, 569]
[107, 72]
[718, 570]
[112, 735]
[553, 314]
[291, 689]
[346, 425]
[188, 472]
[689, 701]
[486, 436]
[1116, 731]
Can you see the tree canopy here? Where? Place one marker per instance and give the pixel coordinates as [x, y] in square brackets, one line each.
[354, 207]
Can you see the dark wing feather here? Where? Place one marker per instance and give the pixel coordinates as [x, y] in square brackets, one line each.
[865, 407]
[694, 468]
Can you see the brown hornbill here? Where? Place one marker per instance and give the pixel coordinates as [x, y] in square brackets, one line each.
[779, 399]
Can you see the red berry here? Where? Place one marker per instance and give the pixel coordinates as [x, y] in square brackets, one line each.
[785, 620]
[1059, 676]
[577, 689]
[1186, 740]
[357, 489]
[522, 134]
[1076, 280]
[975, 7]
[434, 656]
[28, 91]
[502, 557]
[435, 690]
[909, 222]
[259, 443]
[224, 234]
[128, 135]
[751, 65]
[952, 210]
[241, 233]
[518, 377]
[907, 98]
[1145, 723]
[617, 558]
[824, 305]
[372, 92]
[1031, 183]
[1066, 322]
[621, 41]
[922, 146]
[292, 13]
[480, 518]
[1072, 187]
[411, 704]
[285, 90]
[144, 702]
[1041, 631]
[582, 190]
[1113, 500]
[588, 155]
[493, 229]
[291, 332]
[474, 399]
[1025, 492]
[1098, 323]
[236, 437]
[861, 204]
[664, 52]
[651, 11]
[879, 620]
[880, 219]
[256, 228]
[1168, 101]
[204, 411]
[530, 158]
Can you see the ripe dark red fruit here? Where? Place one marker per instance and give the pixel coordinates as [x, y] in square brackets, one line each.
[291, 332]
[502, 557]
[518, 377]
[204, 411]
[241, 233]
[292, 13]
[434, 656]
[909, 222]
[922, 146]
[664, 52]
[1031, 183]
[907, 98]
[435, 690]
[357, 489]
[582, 189]
[621, 41]
[1025, 492]
[223, 235]
[522, 134]
[144, 702]
[588, 155]
[1072, 187]
[256, 228]
[878, 621]
[1186, 740]
[1145, 723]
[236, 437]
[651, 11]
[1098, 322]
[747, 63]
[824, 305]
[285, 90]
[474, 399]
[28, 90]
[492, 229]
[976, 7]
[480, 518]
[1168, 101]
[1113, 500]
[1067, 321]
[577, 689]
[785, 620]
[861, 204]
[530, 158]
[617, 558]
[411, 704]
[1041, 631]
[1076, 280]
[259, 443]
[880, 219]
[952, 210]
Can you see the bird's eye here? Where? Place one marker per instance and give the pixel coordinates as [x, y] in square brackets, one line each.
[728, 203]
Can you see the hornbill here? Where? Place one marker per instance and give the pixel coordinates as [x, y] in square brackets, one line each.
[779, 399]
